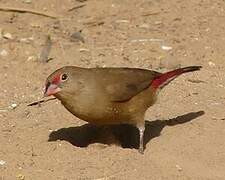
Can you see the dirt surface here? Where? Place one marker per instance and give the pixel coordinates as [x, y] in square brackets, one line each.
[185, 134]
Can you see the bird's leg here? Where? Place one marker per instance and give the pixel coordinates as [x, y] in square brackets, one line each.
[140, 125]
[141, 139]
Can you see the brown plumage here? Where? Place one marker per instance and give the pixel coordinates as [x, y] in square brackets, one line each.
[109, 95]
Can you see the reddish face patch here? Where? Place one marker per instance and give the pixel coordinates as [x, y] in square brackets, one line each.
[56, 79]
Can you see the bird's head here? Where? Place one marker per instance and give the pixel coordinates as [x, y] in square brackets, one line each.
[57, 81]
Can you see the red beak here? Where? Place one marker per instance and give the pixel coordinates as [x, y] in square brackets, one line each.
[51, 89]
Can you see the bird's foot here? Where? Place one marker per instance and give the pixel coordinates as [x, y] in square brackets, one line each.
[141, 150]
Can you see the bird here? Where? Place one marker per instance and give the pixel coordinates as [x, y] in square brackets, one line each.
[110, 95]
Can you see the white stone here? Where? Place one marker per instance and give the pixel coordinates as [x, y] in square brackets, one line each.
[211, 63]
[27, 1]
[2, 162]
[166, 48]
[14, 105]
[3, 52]
[7, 36]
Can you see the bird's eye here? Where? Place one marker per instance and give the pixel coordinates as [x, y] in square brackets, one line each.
[64, 77]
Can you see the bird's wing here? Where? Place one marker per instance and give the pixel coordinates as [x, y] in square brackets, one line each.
[121, 84]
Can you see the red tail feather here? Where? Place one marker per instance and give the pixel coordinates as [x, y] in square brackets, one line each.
[165, 78]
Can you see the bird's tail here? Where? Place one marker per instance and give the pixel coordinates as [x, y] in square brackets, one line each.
[163, 79]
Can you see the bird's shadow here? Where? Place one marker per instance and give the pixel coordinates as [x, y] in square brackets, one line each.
[125, 135]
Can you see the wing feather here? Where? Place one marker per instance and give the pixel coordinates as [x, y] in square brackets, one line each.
[121, 84]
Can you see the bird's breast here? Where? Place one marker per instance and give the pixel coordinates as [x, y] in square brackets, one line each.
[98, 111]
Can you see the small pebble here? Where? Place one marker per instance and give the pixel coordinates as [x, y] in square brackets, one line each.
[166, 48]
[13, 106]
[144, 26]
[7, 36]
[158, 22]
[20, 177]
[122, 21]
[3, 53]
[178, 167]
[2, 162]
[84, 50]
[32, 58]
[27, 1]
[25, 40]
[211, 63]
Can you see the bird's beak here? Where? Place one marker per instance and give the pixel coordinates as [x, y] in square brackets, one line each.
[51, 89]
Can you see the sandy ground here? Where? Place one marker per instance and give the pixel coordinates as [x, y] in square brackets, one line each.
[185, 134]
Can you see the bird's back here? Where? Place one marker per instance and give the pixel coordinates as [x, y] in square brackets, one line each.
[121, 84]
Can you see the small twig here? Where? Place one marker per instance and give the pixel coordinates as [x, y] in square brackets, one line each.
[76, 7]
[150, 13]
[22, 10]
[94, 23]
[146, 40]
[41, 101]
[196, 81]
